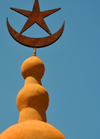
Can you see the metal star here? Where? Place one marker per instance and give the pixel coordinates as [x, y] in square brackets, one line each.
[35, 17]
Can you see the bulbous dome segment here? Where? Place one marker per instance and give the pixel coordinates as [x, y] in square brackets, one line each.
[34, 96]
[33, 99]
[32, 66]
[32, 130]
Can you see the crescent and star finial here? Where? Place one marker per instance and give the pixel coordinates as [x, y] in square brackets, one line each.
[35, 16]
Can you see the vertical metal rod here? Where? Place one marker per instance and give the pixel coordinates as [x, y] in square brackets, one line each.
[34, 51]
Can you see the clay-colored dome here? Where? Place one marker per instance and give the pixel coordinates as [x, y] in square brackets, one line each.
[34, 96]
[32, 130]
[32, 66]
[32, 102]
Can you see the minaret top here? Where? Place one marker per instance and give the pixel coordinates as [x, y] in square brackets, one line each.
[33, 99]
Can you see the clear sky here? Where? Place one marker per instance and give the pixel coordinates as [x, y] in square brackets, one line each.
[72, 65]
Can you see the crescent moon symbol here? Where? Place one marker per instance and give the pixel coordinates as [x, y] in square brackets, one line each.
[35, 42]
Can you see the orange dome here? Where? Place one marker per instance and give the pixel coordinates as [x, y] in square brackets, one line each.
[32, 102]
[35, 96]
[32, 66]
[32, 130]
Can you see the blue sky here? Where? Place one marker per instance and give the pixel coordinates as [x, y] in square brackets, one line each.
[72, 65]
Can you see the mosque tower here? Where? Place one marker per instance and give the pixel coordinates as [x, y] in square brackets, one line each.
[33, 98]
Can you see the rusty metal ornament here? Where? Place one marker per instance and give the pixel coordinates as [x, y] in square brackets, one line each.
[35, 17]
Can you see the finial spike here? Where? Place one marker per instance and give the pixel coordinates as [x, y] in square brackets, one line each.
[34, 51]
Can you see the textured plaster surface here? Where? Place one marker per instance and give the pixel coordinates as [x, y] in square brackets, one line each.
[32, 102]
